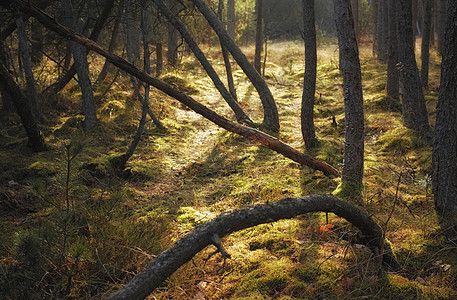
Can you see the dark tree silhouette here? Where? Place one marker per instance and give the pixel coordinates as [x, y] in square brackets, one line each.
[392, 61]
[445, 145]
[309, 81]
[413, 102]
[425, 49]
[258, 35]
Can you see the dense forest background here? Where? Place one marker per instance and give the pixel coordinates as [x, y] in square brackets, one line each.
[239, 149]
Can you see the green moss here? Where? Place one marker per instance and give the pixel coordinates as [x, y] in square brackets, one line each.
[70, 126]
[350, 190]
[398, 139]
[179, 83]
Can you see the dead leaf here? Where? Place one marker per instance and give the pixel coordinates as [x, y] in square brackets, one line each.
[199, 296]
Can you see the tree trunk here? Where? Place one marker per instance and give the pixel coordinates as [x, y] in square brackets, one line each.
[62, 82]
[159, 58]
[131, 28]
[374, 16]
[413, 102]
[36, 38]
[441, 24]
[309, 81]
[414, 13]
[112, 44]
[225, 54]
[425, 49]
[36, 140]
[250, 133]
[353, 97]
[212, 231]
[355, 14]
[383, 29]
[172, 53]
[82, 68]
[444, 151]
[231, 19]
[175, 22]
[392, 69]
[258, 36]
[27, 65]
[270, 111]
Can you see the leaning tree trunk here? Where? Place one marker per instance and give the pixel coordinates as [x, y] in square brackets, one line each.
[392, 61]
[62, 82]
[444, 151]
[270, 111]
[425, 50]
[112, 44]
[258, 36]
[250, 133]
[36, 140]
[353, 98]
[211, 232]
[225, 54]
[413, 102]
[27, 66]
[309, 81]
[176, 23]
[82, 68]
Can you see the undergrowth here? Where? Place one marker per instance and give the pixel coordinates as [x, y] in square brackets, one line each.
[80, 229]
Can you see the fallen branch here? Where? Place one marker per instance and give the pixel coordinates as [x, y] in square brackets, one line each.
[187, 247]
[250, 133]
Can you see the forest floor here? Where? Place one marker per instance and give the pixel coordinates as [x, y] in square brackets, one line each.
[193, 171]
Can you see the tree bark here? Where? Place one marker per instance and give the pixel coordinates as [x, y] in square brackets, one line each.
[204, 235]
[176, 23]
[27, 66]
[383, 30]
[355, 14]
[392, 69]
[172, 52]
[441, 24]
[250, 133]
[258, 36]
[309, 81]
[425, 49]
[112, 44]
[36, 140]
[62, 82]
[413, 102]
[82, 69]
[36, 39]
[159, 58]
[231, 19]
[353, 96]
[225, 54]
[445, 145]
[270, 111]
[374, 15]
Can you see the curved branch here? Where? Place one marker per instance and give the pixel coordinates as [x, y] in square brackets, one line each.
[250, 133]
[187, 247]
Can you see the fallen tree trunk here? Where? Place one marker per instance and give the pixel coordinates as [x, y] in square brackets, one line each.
[250, 133]
[187, 247]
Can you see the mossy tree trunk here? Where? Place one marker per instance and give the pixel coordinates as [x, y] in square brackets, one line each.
[210, 233]
[270, 110]
[309, 81]
[353, 98]
[444, 150]
[413, 101]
